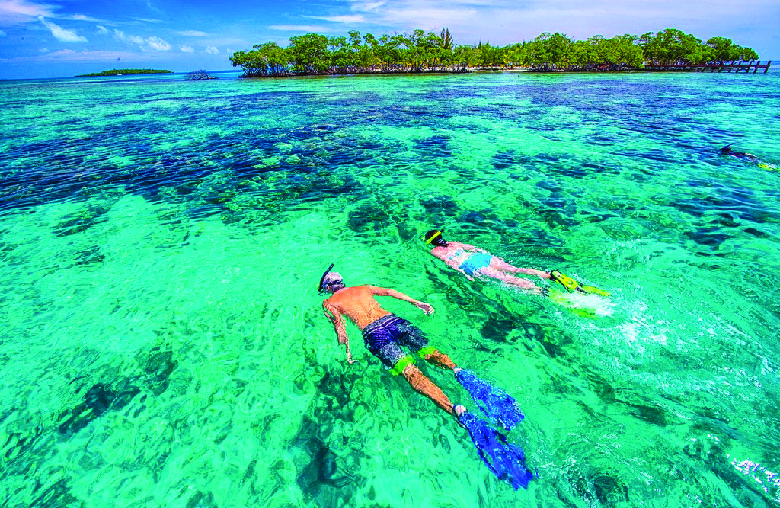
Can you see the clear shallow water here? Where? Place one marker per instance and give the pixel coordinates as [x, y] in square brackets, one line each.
[162, 344]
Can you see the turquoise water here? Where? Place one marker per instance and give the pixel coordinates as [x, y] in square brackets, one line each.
[163, 344]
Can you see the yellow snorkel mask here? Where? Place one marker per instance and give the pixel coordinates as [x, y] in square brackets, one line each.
[433, 237]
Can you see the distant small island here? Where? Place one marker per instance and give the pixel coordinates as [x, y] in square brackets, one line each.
[198, 75]
[123, 72]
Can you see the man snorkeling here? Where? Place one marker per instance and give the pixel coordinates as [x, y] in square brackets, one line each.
[476, 262]
[384, 333]
[726, 150]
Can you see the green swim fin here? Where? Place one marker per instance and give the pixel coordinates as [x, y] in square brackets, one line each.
[573, 285]
[594, 290]
[564, 300]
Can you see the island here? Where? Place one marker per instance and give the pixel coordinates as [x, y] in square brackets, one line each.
[123, 72]
[199, 75]
[418, 52]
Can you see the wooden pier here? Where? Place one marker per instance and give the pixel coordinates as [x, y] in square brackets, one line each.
[713, 67]
[736, 67]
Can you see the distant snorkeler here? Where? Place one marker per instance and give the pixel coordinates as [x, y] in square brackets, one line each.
[726, 150]
[475, 262]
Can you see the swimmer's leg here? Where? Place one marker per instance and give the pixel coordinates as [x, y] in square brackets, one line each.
[415, 339]
[421, 384]
[512, 281]
[501, 265]
[436, 357]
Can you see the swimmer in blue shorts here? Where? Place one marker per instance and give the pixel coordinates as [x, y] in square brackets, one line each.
[476, 262]
[385, 334]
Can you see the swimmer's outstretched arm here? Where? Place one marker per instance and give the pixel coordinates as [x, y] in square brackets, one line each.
[380, 291]
[335, 317]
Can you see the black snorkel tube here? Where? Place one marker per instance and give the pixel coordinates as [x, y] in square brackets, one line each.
[321, 289]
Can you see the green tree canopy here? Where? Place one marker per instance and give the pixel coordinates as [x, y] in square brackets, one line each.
[419, 51]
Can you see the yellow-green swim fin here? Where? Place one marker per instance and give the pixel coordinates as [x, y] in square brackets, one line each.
[573, 285]
[594, 290]
[564, 300]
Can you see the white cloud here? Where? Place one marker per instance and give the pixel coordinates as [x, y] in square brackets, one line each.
[300, 28]
[101, 29]
[152, 43]
[81, 17]
[505, 21]
[430, 16]
[187, 49]
[68, 55]
[367, 6]
[354, 18]
[157, 44]
[2, 34]
[211, 50]
[20, 11]
[192, 33]
[62, 34]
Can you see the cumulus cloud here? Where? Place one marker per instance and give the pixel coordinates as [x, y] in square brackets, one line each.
[187, 49]
[211, 50]
[20, 11]
[157, 44]
[152, 43]
[61, 34]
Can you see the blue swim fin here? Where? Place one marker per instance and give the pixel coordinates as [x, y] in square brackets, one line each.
[504, 459]
[497, 405]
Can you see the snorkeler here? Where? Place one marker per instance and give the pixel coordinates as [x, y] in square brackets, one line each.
[726, 150]
[384, 333]
[475, 262]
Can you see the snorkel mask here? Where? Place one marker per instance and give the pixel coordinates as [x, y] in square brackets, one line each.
[435, 237]
[326, 286]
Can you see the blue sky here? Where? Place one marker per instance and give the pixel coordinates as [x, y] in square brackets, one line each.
[60, 38]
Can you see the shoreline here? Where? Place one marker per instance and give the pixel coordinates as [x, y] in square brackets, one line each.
[524, 70]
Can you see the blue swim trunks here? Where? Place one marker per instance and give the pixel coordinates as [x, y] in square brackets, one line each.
[476, 262]
[385, 336]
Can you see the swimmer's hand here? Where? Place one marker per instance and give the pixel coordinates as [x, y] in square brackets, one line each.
[425, 307]
[469, 277]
